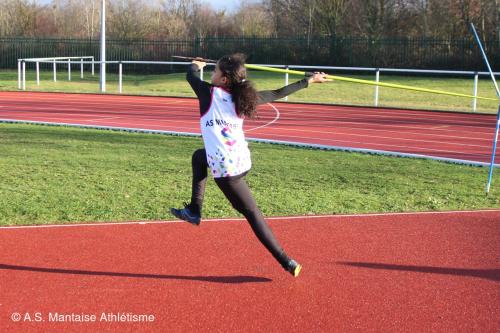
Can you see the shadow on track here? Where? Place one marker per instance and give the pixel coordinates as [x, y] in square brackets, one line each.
[489, 274]
[237, 279]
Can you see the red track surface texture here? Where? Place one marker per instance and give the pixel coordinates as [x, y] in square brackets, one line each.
[439, 134]
[434, 272]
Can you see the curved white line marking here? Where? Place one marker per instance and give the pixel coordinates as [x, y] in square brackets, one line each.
[269, 123]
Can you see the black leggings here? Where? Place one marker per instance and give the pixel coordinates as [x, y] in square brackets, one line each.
[238, 193]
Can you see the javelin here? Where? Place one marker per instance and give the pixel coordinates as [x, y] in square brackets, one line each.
[382, 84]
[495, 139]
[343, 78]
[195, 59]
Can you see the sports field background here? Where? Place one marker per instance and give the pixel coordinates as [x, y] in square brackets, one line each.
[60, 174]
[55, 175]
[344, 93]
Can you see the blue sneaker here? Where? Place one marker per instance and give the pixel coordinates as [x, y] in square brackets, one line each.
[186, 215]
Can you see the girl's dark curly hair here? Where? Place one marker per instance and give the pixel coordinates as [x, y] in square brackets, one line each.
[243, 92]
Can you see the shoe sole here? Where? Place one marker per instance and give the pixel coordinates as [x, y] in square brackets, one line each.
[297, 270]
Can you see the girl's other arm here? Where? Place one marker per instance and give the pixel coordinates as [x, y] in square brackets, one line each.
[267, 96]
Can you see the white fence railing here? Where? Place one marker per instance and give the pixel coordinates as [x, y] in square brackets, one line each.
[376, 71]
[21, 67]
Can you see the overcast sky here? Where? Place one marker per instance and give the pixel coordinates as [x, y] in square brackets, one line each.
[230, 5]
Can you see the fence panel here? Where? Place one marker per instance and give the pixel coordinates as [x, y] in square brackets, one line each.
[418, 53]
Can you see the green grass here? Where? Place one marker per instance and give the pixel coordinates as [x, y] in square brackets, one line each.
[61, 174]
[334, 93]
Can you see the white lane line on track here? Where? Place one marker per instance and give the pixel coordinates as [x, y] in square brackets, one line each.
[285, 120]
[284, 218]
[389, 147]
[92, 106]
[103, 118]
[138, 109]
[335, 130]
[371, 136]
[301, 108]
[278, 129]
[269, 123]
[263, 135]
[292, 108]
[400, 121]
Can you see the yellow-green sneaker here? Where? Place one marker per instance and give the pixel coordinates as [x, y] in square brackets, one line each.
[294, 268]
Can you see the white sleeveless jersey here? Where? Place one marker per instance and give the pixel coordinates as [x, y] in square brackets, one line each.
[222, 130]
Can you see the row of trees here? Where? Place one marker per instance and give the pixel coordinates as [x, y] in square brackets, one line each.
[386, 18]
[181, 19]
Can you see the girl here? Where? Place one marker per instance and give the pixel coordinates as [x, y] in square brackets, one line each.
[224, 104]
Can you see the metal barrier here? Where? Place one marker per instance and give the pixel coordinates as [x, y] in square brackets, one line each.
[21, 68]
[375, 71]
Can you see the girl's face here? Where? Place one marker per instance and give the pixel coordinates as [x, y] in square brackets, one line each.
[218, 78]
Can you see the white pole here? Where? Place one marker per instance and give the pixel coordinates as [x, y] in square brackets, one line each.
[120, 71]
[19, 74]
[102, 81]
[37, 64]
[377, 79]
[24, 75]
[69, 69]
[201, 74]
[497, 129]
[474, 101]
[286, 81]
[81, 68]
[54, 65]
[92, 65]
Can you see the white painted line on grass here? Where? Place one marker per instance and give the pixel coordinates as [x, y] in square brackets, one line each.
[276, 218]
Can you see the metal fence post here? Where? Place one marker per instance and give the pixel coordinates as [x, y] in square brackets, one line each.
[286, 80]
[37, 65]
[69, 69]
[19, 74]
[377, 79]
[474, 101]
[24, 75]
[81, 68]
[54, 65]
[93, 66]
[120, 72]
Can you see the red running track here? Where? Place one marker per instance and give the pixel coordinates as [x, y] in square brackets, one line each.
[465, 137]
[430, 272]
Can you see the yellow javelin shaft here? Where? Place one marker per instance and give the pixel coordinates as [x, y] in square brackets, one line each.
[373, 83]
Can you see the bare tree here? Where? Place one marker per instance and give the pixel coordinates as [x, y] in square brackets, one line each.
[129, 19]
[253, 20]
[91, 17]
[159, 19]
[18, 17]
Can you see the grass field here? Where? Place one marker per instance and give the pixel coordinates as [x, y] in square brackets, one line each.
[334, 93]
[60, 174]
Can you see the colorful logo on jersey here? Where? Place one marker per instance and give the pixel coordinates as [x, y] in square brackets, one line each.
[226, 136]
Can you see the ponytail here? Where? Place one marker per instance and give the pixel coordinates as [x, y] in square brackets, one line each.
[245, 99]
[243, 92]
